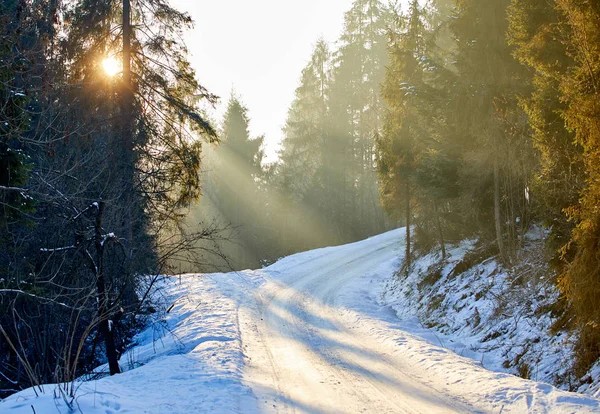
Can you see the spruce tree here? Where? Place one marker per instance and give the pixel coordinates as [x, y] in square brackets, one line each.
[356, 117]
[494, 137]
[535, 30]
[15, 118]
[233, 188]
[303, 150]
[399, 144]
[106, 213]
[560, 41]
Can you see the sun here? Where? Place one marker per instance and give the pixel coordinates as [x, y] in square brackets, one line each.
[111, 66]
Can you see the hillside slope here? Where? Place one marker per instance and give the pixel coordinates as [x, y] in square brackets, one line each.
[497, 316]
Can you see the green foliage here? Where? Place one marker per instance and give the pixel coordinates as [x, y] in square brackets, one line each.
[15, 119]
[70, 265]
[579, 87]
[233, 190]
[167, 97]
[326, 174]
[355, 120]
[455, 155]
[491, 123]
[236, 140]
[401, 140]
[559, 40]
[303, 167]
[534, 30]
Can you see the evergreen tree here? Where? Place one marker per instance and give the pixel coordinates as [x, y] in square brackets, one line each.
[559, 40]
[234, 190]
[153, 107]
[15, 119]
[535, 27]
[109, 194]
[495, 137]
[303, 147]
[399, 143]
[304, 173]
[356, 113]
[581, 89]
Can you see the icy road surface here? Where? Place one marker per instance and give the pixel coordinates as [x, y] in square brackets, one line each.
[305, 335]
[304, 356]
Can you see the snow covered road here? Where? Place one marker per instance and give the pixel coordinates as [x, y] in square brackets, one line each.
[305, 335]
[320, 341]
[303, 356]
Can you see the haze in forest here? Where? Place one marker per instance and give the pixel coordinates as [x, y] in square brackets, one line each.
[471, 126]
[258, 49]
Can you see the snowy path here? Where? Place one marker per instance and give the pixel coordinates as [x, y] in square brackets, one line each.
[305, 335]
[304, 358]
[319, 341]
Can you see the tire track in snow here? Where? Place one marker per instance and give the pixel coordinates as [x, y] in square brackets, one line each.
[313, 362]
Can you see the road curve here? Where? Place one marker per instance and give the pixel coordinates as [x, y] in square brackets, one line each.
[304, 358]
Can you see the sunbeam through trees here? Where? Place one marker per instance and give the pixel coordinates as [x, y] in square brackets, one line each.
[462, 134]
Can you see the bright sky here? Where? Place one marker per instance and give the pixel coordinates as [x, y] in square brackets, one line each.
[259, 48]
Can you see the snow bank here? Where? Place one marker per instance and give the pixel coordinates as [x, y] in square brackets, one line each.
[470, 304]
[191, 360]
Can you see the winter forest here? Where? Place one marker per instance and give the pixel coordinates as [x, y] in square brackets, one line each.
[455, 120]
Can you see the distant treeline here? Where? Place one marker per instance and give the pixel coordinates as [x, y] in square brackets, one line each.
[323, 189]
[463, 118]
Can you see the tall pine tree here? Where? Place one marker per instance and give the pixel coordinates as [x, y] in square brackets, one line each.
[399, 144]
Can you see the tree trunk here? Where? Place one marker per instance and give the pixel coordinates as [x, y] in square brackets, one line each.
[497, 211]
[440, 231]
[407, 206]
[127, 129]
[104, 326]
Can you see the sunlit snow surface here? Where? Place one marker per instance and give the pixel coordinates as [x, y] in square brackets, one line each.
[305, 335]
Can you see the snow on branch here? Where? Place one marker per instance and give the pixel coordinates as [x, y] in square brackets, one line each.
[94, 205]
[22, 292]
[107, 237]
[58, 249]
[5, 188]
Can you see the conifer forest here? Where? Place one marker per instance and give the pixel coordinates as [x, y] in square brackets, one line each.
[451, 119]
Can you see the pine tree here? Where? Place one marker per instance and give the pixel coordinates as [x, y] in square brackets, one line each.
[568, 33]
[399, 143]
[305, 176]
[66, 115]
[356, 114]
[495, 137]
[152, 108]
[535, 27]
[303, 150]
[234, 190]
[581, 89]
[165, 95]
[15, 118]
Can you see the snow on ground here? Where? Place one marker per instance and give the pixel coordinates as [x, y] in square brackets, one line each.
[480, 310]
[190, 361]
[311, 333]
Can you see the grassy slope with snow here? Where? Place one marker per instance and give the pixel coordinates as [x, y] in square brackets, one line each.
[478, 309]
